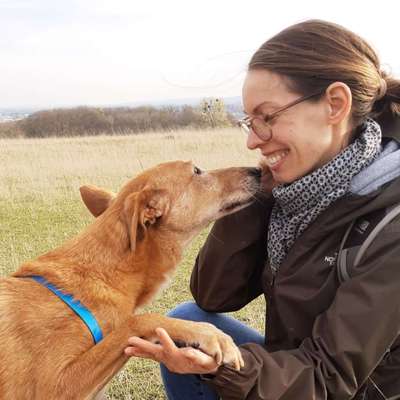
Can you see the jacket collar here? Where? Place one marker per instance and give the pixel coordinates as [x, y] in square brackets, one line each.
[390, 126]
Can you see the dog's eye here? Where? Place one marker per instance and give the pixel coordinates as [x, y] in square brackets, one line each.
[197, 171]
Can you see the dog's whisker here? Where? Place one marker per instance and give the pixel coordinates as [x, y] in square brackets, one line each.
[253, 195]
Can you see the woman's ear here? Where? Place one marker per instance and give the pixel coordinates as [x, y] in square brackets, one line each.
[339, 98]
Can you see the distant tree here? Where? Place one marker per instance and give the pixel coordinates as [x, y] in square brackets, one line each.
[67, 122]
[10, 129]
[214, 113]
[95, 121]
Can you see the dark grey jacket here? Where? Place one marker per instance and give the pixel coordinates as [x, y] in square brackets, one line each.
[324, 340]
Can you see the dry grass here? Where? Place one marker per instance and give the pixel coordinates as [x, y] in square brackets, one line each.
[40, 207]
[58, 166]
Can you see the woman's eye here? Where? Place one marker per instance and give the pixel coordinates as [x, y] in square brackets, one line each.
[197, 171]
[268, 119]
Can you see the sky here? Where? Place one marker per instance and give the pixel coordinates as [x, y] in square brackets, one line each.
[92, 52]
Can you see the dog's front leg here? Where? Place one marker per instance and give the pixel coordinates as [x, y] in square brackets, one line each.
[84, 377]
[201, 335]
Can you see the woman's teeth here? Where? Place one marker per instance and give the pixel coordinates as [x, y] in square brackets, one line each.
[274, 158]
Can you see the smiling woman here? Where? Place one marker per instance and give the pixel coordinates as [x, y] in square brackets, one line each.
[326, 118]
[303, 135]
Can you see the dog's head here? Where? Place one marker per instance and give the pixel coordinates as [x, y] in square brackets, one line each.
[175, 197]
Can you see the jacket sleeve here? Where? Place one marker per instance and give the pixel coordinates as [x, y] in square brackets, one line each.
[348, 340]
[227, 271]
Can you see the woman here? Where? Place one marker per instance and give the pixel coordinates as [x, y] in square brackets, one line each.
[326, 119]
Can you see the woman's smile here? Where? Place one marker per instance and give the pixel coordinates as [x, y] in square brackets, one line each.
[275, 159]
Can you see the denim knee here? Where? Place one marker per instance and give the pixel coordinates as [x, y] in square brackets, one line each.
[239, 332]
[188, 311]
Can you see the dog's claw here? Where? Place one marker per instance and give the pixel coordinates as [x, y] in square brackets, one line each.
[180, 343]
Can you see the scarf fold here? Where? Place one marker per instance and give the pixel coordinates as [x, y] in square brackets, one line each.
[299, 203]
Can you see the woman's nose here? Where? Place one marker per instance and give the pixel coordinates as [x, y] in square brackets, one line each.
[253, 141]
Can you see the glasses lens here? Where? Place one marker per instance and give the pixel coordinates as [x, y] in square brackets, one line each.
[261, 129]
[244, 127]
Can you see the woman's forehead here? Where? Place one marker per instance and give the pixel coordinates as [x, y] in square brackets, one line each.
[262, 87]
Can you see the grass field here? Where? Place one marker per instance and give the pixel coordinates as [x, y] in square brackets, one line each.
[40, 207]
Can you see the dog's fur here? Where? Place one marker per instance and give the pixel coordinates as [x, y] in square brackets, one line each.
[114, 267]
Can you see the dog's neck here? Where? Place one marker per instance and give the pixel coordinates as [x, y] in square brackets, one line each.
[98, 268]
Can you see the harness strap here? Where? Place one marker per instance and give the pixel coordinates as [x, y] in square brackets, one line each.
[392, 213]
[349, 257]
[343, 255]
[83, 313]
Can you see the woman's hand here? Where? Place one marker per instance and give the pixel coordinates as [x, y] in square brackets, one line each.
[185, 360]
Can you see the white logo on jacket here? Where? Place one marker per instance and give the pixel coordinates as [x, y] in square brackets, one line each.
[331, 260]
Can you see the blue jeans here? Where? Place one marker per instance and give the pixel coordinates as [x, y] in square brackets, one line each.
[190, 387]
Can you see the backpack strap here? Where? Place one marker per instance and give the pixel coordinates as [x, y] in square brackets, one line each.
[358, 237]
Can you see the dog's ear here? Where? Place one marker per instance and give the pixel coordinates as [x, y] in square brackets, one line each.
[142, 209]
[97, 200]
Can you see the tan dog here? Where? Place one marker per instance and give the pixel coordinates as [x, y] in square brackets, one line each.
[115, 266]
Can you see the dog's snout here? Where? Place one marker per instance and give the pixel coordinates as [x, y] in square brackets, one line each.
[256, 172]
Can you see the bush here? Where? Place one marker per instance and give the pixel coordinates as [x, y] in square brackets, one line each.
[95, 121]
[10, 130]
[66, 122]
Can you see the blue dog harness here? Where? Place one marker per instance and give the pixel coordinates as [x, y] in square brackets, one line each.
[83, 313]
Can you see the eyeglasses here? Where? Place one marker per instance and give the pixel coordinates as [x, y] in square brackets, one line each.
[261, 126]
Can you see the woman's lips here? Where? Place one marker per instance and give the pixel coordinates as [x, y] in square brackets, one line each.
[273, 160]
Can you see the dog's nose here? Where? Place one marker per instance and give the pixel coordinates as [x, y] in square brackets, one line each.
[256, 172]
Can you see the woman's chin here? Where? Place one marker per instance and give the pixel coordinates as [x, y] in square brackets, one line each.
[284, 179]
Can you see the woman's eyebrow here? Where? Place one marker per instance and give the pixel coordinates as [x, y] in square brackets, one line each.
[256, 109]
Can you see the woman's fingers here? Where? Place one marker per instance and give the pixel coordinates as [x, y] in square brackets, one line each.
[180, 360]
[193, 355]
[143, 344]
[165, 340]
[142, 348]
[135, 352]
[161, 352]
[198, 357]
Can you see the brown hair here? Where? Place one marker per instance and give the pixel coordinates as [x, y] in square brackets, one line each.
[313, 54]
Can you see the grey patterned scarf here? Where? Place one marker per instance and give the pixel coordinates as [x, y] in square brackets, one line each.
[299, 203]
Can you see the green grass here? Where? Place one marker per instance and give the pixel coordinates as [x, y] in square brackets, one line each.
[40, 208]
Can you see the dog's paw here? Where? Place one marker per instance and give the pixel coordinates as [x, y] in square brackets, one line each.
[216, 344]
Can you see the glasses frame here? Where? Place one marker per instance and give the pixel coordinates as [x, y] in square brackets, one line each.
[246, 123]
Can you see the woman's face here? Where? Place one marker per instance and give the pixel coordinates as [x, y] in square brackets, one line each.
[303, 136]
